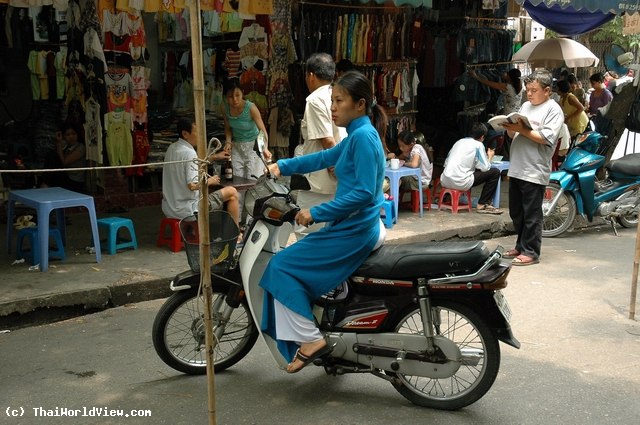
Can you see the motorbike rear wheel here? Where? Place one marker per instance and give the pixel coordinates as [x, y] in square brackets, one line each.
[179, 335]
[478, 345]
[561, 218]
[630, 220]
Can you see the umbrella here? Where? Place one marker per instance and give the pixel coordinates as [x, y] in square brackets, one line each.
[556, 52]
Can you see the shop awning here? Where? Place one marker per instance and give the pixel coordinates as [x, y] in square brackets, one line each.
[567, 20]
[604, 6]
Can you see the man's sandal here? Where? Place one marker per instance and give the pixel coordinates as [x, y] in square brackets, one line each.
[512, 253]
[523, 260]
[489, 209]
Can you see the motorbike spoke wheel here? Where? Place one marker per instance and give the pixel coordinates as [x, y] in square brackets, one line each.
[179, 333]
[631, 220]
[561, 218]
[480, 358]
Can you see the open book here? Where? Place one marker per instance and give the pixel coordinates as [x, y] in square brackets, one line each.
[497, 121]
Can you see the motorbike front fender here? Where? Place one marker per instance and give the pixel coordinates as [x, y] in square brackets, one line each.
[568, 183]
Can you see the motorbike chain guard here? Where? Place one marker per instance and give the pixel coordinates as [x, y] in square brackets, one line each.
[403, 350]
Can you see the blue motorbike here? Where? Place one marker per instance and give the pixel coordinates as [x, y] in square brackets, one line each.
[575, 188]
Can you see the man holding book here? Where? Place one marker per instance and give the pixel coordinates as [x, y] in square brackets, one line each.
[530, 165]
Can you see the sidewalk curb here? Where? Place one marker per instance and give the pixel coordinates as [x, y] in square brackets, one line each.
[53, 307]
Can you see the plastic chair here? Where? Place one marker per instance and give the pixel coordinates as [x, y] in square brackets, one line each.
[173, 239]
[33, 254]
[112, 226]
[454, 200]
[389, 214]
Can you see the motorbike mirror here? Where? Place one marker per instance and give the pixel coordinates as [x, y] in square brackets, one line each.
[299, 182]
[258, 148]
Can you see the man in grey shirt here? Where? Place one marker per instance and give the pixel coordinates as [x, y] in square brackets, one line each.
[530, 165]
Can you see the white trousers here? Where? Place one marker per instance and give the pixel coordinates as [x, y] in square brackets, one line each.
[291, 326]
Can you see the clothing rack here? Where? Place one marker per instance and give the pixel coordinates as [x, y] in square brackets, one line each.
[352, 6]
[477, 106]
[487, 64]
[502, 20]
[491, 22]
[388, 64]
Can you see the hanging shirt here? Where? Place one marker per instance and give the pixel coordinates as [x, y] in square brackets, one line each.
[93, 131]
[119, 91]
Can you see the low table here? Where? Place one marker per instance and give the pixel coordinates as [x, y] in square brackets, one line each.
[501, 165]
[394, 178]
[44, 201]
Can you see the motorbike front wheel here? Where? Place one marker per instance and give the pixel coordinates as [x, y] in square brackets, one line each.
[630, 220]
[560, 219]
[179, 333]
[480, 358]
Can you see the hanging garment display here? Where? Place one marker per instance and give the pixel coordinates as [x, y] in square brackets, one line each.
[119, 141]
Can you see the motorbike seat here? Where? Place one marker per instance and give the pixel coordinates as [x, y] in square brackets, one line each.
[628, 164]
[408, 261]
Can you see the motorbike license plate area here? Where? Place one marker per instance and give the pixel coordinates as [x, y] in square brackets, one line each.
[503, 305]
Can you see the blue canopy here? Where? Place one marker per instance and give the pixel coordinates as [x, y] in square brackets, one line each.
[566, 20]
[604, 6]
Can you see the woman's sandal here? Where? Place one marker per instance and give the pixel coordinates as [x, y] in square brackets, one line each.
[489, 209]
[306, 359]
[512, 253]
[523, 260]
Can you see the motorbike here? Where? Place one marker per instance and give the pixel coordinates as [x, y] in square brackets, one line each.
[426, 317]
[575, 188]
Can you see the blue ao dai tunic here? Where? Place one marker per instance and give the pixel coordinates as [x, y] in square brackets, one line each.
[318, 263]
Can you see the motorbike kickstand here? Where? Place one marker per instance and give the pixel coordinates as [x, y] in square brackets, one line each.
[613, 225]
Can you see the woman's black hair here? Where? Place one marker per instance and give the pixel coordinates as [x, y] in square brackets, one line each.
[514, 75]
[563, 86]
[230, 85]
[344, 65]
[359, 87]
[407, 137]
[596, 78]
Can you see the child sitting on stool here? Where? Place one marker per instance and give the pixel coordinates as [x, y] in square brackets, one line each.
[415, 156]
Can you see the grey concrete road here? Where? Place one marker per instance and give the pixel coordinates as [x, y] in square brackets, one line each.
[579, 362]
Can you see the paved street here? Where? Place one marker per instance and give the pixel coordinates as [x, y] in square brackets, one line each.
[578, 363]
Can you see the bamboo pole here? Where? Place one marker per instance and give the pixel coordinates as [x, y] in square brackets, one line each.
[634, 277]
[203, 217]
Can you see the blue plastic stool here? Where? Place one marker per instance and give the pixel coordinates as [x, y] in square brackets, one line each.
[389, 217]
[112, 225]
[33, 254]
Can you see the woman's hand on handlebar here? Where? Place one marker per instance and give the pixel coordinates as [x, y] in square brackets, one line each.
[304, 218]
[274, 170]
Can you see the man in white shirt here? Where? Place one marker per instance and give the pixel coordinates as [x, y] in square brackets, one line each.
[180, 187]
[469, 165]
[318, 132]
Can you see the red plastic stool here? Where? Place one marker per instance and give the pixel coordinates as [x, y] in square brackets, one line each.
[174, 238]
[415, 199]
[455, 199]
